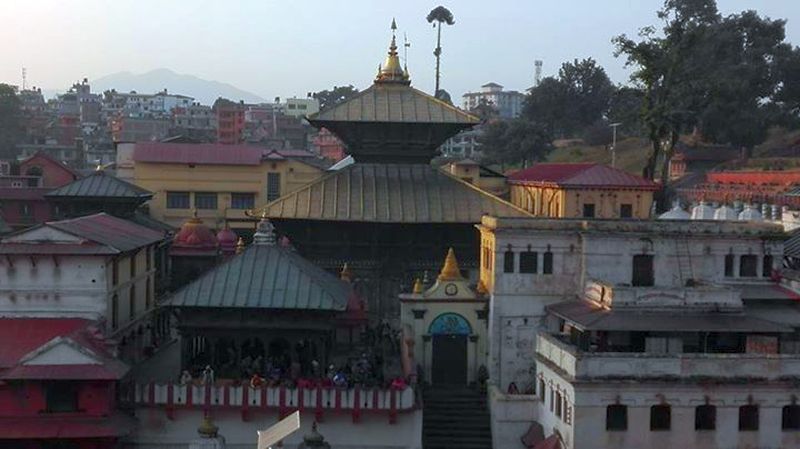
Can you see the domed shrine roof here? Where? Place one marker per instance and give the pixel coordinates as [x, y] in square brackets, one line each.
[676, 213]
[194, 239]
[227, 240]
[750, 213]
[725, 213]
[702, 212]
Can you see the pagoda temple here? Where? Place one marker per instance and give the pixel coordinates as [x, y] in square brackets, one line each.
[390, 215]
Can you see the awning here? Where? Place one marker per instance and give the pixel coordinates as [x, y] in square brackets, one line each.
[587, 315]
[42, 427]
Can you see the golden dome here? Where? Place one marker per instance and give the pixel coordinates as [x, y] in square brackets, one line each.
[450, 270]
[391, 71]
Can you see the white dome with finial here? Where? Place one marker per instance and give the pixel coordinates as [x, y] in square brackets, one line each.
[676, 213]
[702, 212]
[750, 213]
[725, 213]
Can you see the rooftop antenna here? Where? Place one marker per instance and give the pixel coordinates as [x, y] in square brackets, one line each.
[537, 72]
[24, 78]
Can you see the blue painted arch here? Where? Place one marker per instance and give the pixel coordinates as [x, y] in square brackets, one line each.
[450, 324]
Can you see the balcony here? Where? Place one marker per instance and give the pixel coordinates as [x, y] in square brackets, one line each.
[702, 296]
[577, 364]
[356, 401]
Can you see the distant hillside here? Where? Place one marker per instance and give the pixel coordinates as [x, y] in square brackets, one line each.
[204, 91]
[631, 154]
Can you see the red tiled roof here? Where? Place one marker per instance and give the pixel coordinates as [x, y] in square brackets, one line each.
[111, 370]
[580, 175]
[23, 193]
[120, 234]
[61, 426]
[19, 336]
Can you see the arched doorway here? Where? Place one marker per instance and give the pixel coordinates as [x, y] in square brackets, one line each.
[449, 332]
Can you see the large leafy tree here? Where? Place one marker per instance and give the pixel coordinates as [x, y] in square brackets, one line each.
[438, 16]
[332, 97]
[517, 141]
[10, 121]
[578, 98]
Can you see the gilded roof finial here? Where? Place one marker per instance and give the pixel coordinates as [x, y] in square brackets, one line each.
[450, 270]
[194, 219]
[346, 274]
[240, 246]
[207, 428]
[418, 287]
[392, 71]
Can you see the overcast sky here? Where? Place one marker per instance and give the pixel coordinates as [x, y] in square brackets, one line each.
[290, 47]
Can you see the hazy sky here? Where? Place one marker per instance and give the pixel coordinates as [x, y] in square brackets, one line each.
[290, 47]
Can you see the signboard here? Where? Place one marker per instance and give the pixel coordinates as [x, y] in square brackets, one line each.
[760, 344]
[284, 428]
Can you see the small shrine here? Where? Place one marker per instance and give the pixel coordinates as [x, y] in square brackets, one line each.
[444, 328]
[194, 251]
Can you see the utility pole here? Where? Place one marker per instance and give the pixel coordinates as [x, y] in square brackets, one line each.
[614, 143]
[438, 52]
[24, 78]
[406, 45]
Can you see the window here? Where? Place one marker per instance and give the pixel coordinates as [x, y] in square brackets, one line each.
[643, 271]
[588, 210]
[149, 258]
[133, 264]
[25, 210]
[541, 389]
[61, 397]
[766, 268]
[148, 295]
[528, 261]
[547, 263]
[273, 186]
[114, 272]
[205, 200]
[660, 417]
[748, 417]
[729, 260]
[705, 417]
[508, 262]
[748, 266]
[625, 211]
[552, 400]
[132, 303]
[177, 200]
[617, 417]
[791, 417]
[243, 200]
[559, 404]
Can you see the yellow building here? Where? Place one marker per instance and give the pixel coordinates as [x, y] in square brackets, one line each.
[478, 175]
[581, 190]
[220, 182]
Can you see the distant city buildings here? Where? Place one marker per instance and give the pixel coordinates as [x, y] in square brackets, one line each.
[508, 103]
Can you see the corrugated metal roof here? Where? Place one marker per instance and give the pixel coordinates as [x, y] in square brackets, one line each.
[394, 103]
[100, 185]
[19, 336]
[791, 246]
[105, 229]
[580, 175]
[391, 193]
[266, 277]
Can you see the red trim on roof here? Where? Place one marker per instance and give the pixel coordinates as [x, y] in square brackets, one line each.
[20, 336]
[580, 175]
[111, 371]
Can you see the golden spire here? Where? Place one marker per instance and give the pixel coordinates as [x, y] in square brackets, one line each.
[391, 71]
[346, 275]
[481, 288]
[418, 287]
[450, 270]
[194, 220]
[240, 246]
[207, 428]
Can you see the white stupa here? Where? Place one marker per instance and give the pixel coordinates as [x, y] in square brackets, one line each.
[676, 213]
[750, 213]
[725, 213]
[702, 212]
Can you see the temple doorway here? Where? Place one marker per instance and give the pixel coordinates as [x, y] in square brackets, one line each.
[449, 332]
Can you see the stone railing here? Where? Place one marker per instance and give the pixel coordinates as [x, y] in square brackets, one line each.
[286, 400]
[588, 365]
[707, 296]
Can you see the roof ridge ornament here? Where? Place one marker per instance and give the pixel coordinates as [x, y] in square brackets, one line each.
[265, 233]
[392, 72]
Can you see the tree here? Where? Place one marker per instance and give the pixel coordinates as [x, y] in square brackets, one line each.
[577, 99]
[10, 121]
[514, 141]
[339, 94]
[485, 110]
[440, 15]
[625, 107]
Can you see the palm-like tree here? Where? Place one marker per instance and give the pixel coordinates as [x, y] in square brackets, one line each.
[440, 15]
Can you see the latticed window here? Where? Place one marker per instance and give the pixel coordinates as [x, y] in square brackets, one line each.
[508, 261]
[528, 261]
[273, 186]
[205, 200]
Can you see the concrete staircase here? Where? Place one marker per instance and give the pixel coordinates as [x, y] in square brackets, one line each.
[455, 417]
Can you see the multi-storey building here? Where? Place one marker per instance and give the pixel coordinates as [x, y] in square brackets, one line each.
[581, 190]
[640, 334]
[230, 122]
[220, 182]
[507, 102]
[299, 107]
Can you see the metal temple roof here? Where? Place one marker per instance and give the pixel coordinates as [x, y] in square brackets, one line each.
[266, 277]
[391, 193]
[100, 185]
